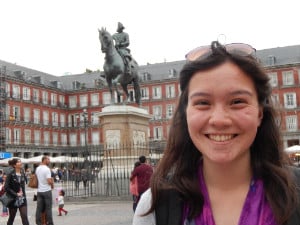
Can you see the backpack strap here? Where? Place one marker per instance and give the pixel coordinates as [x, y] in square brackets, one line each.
[169, 208]
[295, 218]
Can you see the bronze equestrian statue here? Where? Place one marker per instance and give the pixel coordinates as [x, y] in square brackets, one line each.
[119, 67]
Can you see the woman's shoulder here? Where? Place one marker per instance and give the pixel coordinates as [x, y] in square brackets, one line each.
[145, 201]
[143, 207]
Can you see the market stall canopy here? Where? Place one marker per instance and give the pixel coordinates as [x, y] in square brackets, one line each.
[293, 149]
[4, 162]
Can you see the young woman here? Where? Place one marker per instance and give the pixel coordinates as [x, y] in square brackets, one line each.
[15, 187]
[224, 163]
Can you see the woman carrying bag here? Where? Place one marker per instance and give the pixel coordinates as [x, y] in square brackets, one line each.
[15, 187]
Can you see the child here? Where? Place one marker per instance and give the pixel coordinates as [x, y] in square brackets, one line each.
[60, 202]
[2, 191]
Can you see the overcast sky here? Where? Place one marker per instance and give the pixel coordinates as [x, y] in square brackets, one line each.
[61, 36]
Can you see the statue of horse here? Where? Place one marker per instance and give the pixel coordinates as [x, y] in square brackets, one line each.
[114, 69]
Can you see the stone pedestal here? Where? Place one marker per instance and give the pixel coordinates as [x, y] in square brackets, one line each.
[123, 125]
[124, 133]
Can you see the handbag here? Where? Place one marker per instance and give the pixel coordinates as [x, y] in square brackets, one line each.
[33, 181]
[6, 199]
[19, 201]
[133, 186]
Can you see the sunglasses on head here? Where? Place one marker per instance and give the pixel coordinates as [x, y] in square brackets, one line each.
[202, 52]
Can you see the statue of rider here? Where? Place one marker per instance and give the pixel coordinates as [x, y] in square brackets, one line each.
[121, 43]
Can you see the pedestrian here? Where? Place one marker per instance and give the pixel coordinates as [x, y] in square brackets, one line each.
[15, 187]
[61, 202]
[2, 192]
[44, 191]
[143, 173]
[224, 163]
[134, 187]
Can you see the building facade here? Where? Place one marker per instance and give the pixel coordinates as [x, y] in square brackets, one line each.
[45, 114]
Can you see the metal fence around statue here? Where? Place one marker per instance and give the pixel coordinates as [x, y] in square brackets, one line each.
[105, 171]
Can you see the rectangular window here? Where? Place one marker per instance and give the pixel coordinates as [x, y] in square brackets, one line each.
[46, 117]
[26, 93]
[36, 116]
[94, 118]
[106, 98]
[288, 78]
[7, 89]
[16, 91]
[170, 91]
[63, 139]
[95, 138]
[26, 114]
[145, 93]
[16, 113]
[275, 99]
[72, 102]
[7, 115]
[157, 133]
[157, 112]
[54, 138]
[73, 139]
[17, 136]
[54, 119]
[62, 120]
[37, 137]
[27, 137]
[45, 97]
[94, 99]
[273, 79]
[156, 92]
[8, 136]
[83, 139]
[62, 100]
[46, 138]
[290, 100]
[83, 100]
[291, 123]
[53, 99]
[170, 111]
[36, 96]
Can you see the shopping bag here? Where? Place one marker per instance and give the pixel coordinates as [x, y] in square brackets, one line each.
[33, 181]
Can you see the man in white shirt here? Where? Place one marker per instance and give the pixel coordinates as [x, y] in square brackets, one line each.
[44, 191]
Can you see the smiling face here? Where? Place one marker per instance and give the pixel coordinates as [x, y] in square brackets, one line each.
[223, 113]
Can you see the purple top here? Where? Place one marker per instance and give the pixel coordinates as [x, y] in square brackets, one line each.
[256, 209]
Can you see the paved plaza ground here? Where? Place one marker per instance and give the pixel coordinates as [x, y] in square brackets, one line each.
[114, 212]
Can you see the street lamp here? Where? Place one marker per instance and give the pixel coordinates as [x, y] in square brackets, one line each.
[86, 153]
[85, 120]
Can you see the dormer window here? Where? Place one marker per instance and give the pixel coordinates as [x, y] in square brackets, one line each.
[39, 80]
[76, 85]
[146, 76]
[271, 60]
[57, 84]
[172, 73]
[19, 74]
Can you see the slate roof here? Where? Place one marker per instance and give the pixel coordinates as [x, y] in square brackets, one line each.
[283, 55]
[159, 71]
